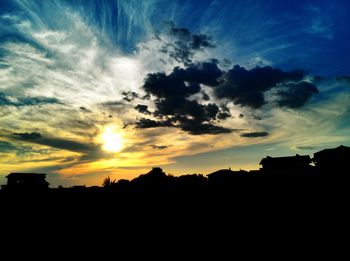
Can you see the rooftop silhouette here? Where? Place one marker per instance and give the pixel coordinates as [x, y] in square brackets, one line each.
[26, 181]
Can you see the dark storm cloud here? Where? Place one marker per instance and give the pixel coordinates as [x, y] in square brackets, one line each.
[66, 144]
[296, 95]
[254, 134]
[190, 116]
[28, 136]
[185, 44]
[247, 87]
[223, 115]
[206, 73]
[175, 108]
[130, 96]
[53, 142]
[26, 101]
[180, 107]
[162, 85]
[183, 82]
[144, 123]
[198, 128]
[142, 109]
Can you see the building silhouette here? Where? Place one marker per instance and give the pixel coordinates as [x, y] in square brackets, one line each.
[291, 165]
[332, 161]
[26, 181]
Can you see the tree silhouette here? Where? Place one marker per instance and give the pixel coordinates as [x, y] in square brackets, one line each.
[107, 182]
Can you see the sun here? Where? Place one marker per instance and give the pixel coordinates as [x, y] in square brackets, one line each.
[112, 140]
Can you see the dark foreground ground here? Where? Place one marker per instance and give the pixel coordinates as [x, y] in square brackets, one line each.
[287, 218]
[259, 196]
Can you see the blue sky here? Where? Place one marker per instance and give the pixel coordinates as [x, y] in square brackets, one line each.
[159, 75]
[313, 35]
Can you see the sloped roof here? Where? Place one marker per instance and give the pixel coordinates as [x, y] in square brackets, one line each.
[225, 172]
[19, 175]
[340, 149]
[286, 160]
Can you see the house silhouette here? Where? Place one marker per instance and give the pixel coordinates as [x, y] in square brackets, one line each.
[26, 181]
[291, 165]
[332, 161]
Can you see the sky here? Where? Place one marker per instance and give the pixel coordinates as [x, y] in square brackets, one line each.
[97, 88]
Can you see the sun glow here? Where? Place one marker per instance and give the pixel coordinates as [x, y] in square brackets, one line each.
[112, 140]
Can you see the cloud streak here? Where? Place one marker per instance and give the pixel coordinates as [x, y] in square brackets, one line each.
[26, 101]
[254, 134]
[57, 143]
